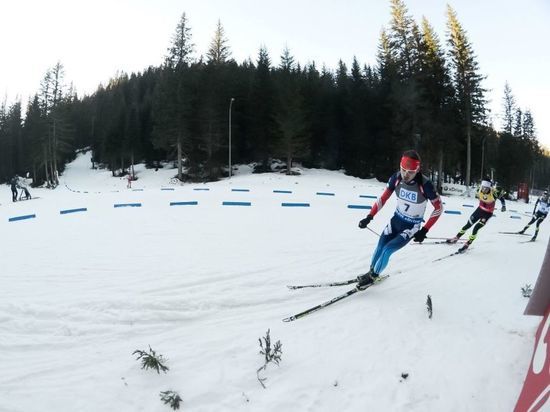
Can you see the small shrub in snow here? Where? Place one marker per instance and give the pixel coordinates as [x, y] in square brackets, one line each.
[171, 398]
[150, 360]
[271, 354]
[526, 291]
[429, 306]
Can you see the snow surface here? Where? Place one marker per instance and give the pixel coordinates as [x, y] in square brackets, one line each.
[200, 284]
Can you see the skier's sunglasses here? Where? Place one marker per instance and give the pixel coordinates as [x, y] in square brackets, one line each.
[407, 171]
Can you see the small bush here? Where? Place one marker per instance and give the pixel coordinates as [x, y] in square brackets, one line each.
[150, 360]
[171, 398]
[271, 355]
[526, 291]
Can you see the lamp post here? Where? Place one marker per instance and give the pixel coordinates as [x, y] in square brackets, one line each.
[230, 104]
[482, 156]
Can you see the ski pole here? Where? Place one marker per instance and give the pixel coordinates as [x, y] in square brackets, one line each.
[373, 231]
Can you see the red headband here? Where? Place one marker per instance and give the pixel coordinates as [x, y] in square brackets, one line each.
[408, 163]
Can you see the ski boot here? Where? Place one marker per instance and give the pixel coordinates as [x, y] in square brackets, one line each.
[465, 247]
[453, 240]
[366, 280]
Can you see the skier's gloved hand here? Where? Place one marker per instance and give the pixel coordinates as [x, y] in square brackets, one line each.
[364, 222]
[420, 235]
[503, 209]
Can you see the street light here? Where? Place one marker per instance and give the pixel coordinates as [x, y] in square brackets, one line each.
[482, 157]
[230, 104]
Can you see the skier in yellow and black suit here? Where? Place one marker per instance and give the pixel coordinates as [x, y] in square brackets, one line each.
[487, 196]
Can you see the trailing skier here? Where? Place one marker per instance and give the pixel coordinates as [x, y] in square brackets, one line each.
[500, 194]
[413, 190]
[539, 214]
[487, 196]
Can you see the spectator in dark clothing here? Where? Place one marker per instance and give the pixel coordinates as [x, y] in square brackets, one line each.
[13, 184]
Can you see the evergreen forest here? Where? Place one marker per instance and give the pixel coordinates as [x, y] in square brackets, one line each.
[420, 92]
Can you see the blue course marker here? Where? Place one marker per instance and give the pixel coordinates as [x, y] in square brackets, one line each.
[190, 203]
[236, 204]
[127, 204]
[369, 196]
[67, 211]
[359, 207]
[453, 212]
[514, 211]
[282, 191]
[201, 188]
[137, 190]
[240, 190]
[16, 218]
[515, 217]
[166, 188]
[324, 194]
[295, 204]
[468, 205]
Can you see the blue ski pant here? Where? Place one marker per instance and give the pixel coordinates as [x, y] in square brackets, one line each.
[395, 235]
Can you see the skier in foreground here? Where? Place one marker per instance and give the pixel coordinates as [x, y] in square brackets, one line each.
[487, 199]
[412, 190]
[539, 214]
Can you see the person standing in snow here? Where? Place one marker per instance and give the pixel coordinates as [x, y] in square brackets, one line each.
[13, 184]
[500, 194]
[487, 196]
[24, 190]
[129, 184]
[539, 213]
[413, 190]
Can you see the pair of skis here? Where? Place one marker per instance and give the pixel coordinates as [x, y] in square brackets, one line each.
[446, 242]
[461, 251]
[331, 301]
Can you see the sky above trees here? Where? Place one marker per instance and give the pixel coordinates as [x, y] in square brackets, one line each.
[95, 40]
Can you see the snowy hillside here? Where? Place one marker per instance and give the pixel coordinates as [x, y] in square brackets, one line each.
[200, 283]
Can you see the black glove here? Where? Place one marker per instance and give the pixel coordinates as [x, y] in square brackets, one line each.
[503, 208]
[364, 222]
[420, 235]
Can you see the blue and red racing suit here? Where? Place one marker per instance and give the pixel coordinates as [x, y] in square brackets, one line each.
[412, 199]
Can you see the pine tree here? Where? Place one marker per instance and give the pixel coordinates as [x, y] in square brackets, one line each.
[357, 149]
[518, 123]
[529, 129]
[509, 106]
[402, 39]
[10, 140]
[436, 115]
[293, 141]
[287, 61]
[387, 145]
[218, 51]
[181, 47]
[35, 130]
[171, 113]
[466, 81]
[52, 94]
[262, 110]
